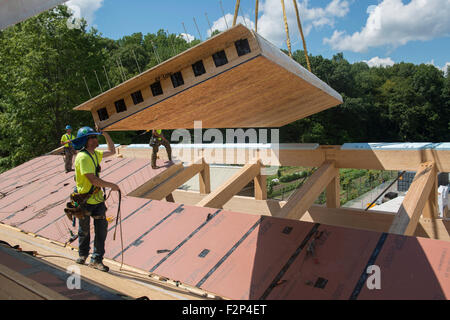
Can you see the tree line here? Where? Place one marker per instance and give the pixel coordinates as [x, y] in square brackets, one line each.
[47, 68]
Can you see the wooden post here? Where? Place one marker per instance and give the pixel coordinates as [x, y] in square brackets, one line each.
[431, 210]
[260, 187]
[334, 192]
[204, 179]
[408, 215]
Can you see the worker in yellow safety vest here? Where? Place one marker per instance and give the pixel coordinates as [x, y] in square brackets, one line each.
[156, 140]
[69, 151]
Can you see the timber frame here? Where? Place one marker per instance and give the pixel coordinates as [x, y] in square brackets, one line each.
[417, 216]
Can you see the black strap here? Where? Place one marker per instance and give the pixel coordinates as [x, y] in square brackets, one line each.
[95, 165]
[91, 191]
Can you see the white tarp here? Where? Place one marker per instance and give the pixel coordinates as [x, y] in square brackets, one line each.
[14, 11]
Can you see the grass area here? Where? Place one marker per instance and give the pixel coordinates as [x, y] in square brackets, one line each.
[353, 182]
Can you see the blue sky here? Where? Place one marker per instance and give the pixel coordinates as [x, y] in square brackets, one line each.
[376, 31]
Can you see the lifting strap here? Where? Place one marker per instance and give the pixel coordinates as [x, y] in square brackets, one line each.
[236, 10]
[256, 15]
[301, 33]
[288, 39]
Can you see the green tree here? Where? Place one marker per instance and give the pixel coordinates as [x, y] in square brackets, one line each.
[42, 65]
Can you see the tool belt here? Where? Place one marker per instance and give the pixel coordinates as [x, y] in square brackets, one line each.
[77, 207]
[154, 141]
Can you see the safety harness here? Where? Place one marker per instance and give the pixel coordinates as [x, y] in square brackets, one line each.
[77, 207]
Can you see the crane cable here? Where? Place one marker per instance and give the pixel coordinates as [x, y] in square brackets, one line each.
[301, 33]
[286, 27]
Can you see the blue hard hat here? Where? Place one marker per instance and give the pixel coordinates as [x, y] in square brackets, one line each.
[82, 137]
[68, 127]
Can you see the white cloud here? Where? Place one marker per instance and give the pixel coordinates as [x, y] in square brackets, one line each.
[377, 62]
[84, 9]
[271, 23]
[221, 25]
[444, 68]
[188, 37]
[394, 23]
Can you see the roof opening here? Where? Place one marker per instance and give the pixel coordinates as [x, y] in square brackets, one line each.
[177, 79]
[198, 68]
[242, 47]
[137, 97]
[156, 89]
[103, 114]
[120, 106]
[220, 58]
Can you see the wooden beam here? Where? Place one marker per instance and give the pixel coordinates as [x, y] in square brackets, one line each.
[225, 192]
[303, 198]
[431, 210]
[163, 190]
[334, 192]
[407, 217]
[157, 180]
[204, 179]
[260, 183]
[372, 220]
[292, 155]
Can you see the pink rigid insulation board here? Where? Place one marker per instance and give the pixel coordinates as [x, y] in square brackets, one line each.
[235, 255]
[192, 261]
[137, 224]
[16, 183]
[255, 263]
[333, 270]
[21, 167]
[412, 268]
[179, 225]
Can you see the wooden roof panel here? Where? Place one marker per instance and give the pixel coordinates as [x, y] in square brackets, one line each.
[264, 88]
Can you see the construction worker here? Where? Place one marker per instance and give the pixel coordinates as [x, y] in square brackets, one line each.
[87, 169]
[156, 140]
[69, 151]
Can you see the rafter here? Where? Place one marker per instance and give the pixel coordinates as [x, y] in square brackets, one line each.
[156, 180]
[165, 189]
[303, 198]
[225, 192]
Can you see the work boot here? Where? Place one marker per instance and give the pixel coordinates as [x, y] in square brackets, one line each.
[81, 260]
[99, 266]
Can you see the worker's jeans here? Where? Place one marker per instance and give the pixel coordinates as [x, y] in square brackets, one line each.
[100, 228]
[68, 156]
[166, 144]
